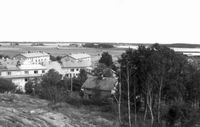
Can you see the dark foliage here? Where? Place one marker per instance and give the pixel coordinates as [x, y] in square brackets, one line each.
[57, 58]
[98, 45]
[106, 59]
[6, 86]
[29, 87]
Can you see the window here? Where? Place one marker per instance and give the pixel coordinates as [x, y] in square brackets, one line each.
[35, 72]
[43, 71]
[9, 73]
[26, 72]
[26, 79]
[77, 69]
[72, 70]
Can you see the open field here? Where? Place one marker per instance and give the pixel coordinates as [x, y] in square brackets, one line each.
[61, 51]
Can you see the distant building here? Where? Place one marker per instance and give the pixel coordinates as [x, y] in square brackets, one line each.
[71, 64]
[19, 72]
[34, 57]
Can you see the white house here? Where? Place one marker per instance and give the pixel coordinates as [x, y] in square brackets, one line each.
[71, 64]
[34, 57]
[20, 74]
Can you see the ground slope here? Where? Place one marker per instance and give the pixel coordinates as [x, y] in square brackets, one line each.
[25, 111]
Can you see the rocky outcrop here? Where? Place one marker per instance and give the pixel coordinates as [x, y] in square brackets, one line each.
[25, 111]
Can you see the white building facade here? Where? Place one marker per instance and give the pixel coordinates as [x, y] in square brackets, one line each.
[21, 73]
[72, 64]
[34, 57]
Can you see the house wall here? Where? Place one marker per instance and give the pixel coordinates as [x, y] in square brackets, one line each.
[40, 60]
[71, 72]
[71, 66]
[34, 60]
[23, 76]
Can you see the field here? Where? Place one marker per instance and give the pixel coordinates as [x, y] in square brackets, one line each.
[61, 51]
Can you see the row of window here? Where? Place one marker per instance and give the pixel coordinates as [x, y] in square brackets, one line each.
[71, 75]
[26, 72]
[72, 70]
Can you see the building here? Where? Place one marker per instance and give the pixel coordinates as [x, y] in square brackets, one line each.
[20, 72]
[71, 64]
[105, 87]
[34, 57]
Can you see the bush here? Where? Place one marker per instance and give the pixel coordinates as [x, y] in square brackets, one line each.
[53, 94]
[6, 86]
[29, 87]
[51, 88]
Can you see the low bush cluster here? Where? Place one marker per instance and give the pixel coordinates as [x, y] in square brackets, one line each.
[6, 86]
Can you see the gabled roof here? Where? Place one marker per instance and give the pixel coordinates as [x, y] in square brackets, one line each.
[34, 54]
[105, 84]
[79, 56]
[75, 64]
[76, 61]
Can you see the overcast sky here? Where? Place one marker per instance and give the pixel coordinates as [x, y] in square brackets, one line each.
[130, 21]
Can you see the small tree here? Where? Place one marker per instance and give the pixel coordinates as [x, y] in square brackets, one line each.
[106, 59]
[102, 71]
[29, 87]
[6, 86]
[82, 77]
[51, 87]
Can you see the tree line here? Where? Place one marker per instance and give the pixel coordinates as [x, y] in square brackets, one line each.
[157, 87]
[159, 84]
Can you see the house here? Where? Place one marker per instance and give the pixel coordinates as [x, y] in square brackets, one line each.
[34, 57]
[20, 72]
[71, 64]
[104, 87]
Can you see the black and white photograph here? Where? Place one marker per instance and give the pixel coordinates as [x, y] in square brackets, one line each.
[99, 63]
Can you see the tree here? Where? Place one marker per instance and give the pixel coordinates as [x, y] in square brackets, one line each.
[98, 71]
[51, 78]
[82, 77]
[51, 87]
[106, 59]
[29, 86]
[6, 86]
[102, 71]
[152, 73]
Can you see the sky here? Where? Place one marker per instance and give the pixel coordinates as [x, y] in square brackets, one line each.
[128, 21]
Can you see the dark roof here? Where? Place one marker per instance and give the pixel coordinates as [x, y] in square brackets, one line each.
[106, 83]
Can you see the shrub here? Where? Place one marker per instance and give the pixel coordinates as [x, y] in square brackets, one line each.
[53, 94]
[6, 86]
[29, 87]
[51, 87]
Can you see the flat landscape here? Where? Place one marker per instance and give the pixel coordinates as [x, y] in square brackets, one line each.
[61, 51]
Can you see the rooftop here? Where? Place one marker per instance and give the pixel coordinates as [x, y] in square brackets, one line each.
[75, 64]
[80, 55]
[106, 83]
[34, 54]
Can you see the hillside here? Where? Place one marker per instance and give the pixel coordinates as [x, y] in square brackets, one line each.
[25, 111]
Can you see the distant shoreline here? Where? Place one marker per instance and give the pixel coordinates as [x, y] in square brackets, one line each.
[172, 45]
